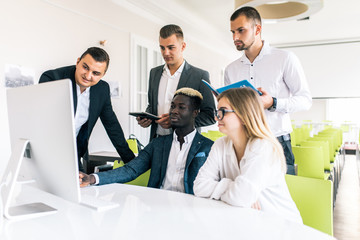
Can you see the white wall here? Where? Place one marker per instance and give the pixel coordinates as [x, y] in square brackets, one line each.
[45, 34]
[317, 112]
[332, 69]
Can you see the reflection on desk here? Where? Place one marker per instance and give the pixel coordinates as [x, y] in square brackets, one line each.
[147, 213]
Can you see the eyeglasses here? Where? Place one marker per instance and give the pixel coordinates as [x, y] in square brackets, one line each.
[220, 113]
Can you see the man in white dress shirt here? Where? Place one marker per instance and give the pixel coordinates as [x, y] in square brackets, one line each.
[176, 73]
[277, 73]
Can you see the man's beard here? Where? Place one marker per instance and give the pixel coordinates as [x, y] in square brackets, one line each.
[243, 47]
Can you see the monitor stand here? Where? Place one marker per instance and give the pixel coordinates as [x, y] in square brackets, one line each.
[7, 187]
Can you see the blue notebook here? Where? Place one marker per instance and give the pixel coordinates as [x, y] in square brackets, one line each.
[243, 83]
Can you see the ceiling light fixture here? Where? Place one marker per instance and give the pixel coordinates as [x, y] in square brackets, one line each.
[282, 10]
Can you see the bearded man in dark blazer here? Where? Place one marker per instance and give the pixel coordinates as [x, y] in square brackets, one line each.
[176, 73]
[91, 100]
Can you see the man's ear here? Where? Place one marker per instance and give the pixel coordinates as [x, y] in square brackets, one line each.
[183, 46]
[258, 29]
[77, 61]
[195, 113]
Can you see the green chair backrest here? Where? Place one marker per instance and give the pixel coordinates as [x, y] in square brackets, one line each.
[305, 132]
[133, 145]
[141, 180]
[325, 147]
[314, 199]
[213, 135]
[336, 131]
[205, 134]
[293, 139]
[310, 161]
[345, 127]
[332, 134]
[331, 145]
[298, 133]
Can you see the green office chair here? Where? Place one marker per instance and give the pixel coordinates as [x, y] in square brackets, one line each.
[133, 145]
[325, 146]
[205, 134]
[141, 180]
[310, 162]
[313, 198]
[298, 134]
[213, 135]
[334, 135]
[331, 145]
[293, 139]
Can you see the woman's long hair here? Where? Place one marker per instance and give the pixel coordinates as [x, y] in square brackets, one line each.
[248, 107]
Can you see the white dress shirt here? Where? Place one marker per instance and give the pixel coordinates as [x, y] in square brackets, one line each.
[82, 108]
[280, 73]
[167, 87]
[258, 177]
[174, 177]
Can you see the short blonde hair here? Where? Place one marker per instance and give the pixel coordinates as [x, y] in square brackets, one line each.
[196, 96]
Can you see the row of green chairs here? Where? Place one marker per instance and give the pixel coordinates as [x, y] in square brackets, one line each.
[317, 154]
[318, 157]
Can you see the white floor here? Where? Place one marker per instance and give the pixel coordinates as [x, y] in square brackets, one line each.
[347, 206]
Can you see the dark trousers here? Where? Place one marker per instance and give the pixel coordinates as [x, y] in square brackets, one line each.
[285, 142]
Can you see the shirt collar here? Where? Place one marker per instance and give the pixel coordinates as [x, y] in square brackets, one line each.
[264, 51]
[178, 71]
[78, 92]
[187, 139]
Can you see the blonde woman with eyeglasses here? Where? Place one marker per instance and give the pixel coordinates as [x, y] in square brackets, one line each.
[246, 168]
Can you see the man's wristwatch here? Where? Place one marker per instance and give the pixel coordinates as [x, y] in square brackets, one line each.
[273, 106]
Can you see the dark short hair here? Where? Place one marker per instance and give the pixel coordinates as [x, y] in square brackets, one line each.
[168, 30]
[99, 55]
[248, 12]
[194, 95]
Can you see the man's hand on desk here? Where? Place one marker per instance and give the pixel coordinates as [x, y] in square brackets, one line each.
[86, 180]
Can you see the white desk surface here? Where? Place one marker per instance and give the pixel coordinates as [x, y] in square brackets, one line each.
[147, 213]
[105, 154]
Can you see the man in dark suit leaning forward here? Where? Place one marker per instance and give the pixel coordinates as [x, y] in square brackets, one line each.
[174, 159]
[175, 74]
[91, 100]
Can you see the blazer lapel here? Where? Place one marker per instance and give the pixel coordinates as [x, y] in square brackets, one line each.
[165, 156]
[93, 106]
[196, 144]
[184, 76]
[157, 77]
[74, 95]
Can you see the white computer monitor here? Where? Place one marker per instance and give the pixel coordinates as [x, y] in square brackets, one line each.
[41, 118]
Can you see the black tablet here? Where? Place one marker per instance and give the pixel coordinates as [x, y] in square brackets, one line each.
[144, 115]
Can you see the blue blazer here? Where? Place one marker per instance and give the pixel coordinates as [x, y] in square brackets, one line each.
[100, 107]
[190, 77]
[155, 156]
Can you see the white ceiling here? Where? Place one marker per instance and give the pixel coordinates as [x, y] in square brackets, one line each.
[207, 22]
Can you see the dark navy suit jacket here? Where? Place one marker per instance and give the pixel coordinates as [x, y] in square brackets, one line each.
[190, 77]
[155, 156]
[100, 106]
